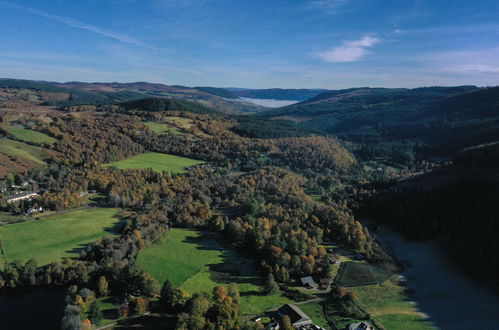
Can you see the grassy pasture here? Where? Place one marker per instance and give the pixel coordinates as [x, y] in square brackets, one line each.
[196, 262]
[23, 150]
[181, 122]
[159, 128]
[28, 135]
[157, 161]
[316, 313]
[185, 124]
[54, 237]
[388, 304]
[355, 274]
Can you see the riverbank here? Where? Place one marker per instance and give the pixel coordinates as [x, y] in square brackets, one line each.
[449, 298]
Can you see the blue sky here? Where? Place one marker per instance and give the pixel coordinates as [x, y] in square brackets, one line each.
[253, 43]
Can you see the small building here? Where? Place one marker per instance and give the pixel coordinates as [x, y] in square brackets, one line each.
[308, 282]
[358, 256]
[33, 209]
[331, 260]
[361, 326]
[20, 197]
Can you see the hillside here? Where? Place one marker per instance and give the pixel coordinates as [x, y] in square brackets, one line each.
[445, 119]
[13, 91]
[455, 205]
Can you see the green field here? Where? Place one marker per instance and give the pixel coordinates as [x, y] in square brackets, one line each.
[159, 128]
[158, 162]
[28, 135]
[355, 274]
[315, 312]
[110, 311]
[51, 238]
[196, 262]
[388, 304]
[20, 149]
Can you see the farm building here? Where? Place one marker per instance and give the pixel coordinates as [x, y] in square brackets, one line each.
[361, 326]
[308, 282]
[298, 318]
[22, 196]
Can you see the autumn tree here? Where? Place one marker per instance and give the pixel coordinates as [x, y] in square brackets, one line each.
[138, 306]
[102, 286]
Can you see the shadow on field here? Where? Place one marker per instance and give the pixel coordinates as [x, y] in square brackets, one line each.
[235, 267]
[113, 230]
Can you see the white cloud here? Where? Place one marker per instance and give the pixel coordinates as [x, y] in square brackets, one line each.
[479, 61]
[77, 24]
[328, 6]
[349, 51]
[331, 4]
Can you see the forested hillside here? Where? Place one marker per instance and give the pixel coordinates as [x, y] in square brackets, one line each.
[285, 195]
[456, 206]
[85, 94]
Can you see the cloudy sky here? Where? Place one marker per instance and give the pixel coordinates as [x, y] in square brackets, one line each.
[253, 43]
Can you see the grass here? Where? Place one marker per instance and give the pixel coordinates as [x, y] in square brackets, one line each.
[196, 262]
[184, 123]
[355, 274]
[159, 128]
[110, 311]
[403, 321]
[20, 149]
[52, 238]
[388, 304]
[316, 313]
[28, 135]
[158, 162]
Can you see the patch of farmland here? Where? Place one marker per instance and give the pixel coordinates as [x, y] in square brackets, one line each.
[157, 161]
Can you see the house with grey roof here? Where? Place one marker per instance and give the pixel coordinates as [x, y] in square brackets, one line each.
[308, 282]
[361, 326]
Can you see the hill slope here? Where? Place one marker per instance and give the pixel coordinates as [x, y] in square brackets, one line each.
[82, 93]
[445, 118]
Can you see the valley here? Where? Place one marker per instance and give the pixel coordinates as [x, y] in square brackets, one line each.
[162, 211]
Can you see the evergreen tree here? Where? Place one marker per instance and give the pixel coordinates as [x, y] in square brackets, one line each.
[234, 292]
[95, 313]
[271, 286]
[166, 294]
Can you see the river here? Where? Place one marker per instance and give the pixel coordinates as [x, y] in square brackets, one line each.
[449, 298]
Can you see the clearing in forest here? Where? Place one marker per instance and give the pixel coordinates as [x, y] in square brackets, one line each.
[18, 149]
[54, 237]
[196, 262]
[160, 128]
[356, 273]
[157, 161]
[28, 135]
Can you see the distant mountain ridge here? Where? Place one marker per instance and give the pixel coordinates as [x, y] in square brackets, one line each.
[83, 93]
[277, 93]
[447, 118]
